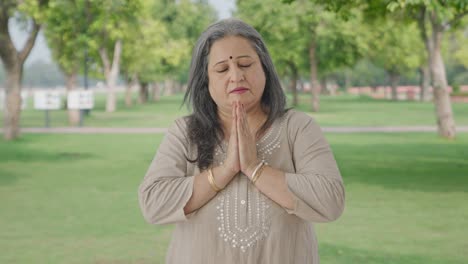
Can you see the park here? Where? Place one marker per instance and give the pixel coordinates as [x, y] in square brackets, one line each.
[69, 175]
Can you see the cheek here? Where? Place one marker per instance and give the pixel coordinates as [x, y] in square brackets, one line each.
[216, 90]
[259, 79]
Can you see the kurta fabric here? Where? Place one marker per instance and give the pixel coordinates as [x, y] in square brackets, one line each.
[240, 224]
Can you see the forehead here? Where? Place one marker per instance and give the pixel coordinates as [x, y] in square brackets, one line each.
[231, 46]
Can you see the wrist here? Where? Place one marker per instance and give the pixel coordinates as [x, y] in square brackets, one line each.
[228, 171]
[249, 171]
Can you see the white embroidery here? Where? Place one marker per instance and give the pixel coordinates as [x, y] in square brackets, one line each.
[244, 230]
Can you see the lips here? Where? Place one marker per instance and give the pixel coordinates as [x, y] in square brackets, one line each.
[239, 90]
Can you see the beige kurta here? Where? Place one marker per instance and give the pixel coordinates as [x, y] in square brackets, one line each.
[240, 224]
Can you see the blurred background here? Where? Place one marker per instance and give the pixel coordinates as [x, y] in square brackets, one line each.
[88, 88]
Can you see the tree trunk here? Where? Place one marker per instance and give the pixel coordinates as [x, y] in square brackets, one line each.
[315, 86]
[394, 80]
[323, 86]
[177, 87]
[424, 82]
[111, 72]
[12, 113]
[168, 87]
[13, 61]
[144, 93]
[156, 92]
[129, 90]
[128, 95]
[73, 114]
[347, 79]
[443, 105]
[293, 85]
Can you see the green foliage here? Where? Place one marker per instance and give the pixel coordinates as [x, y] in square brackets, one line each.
[65, 32]
[288, 30]
[396, 46]
[159, 47]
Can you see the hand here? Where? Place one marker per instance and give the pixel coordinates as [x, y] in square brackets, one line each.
[231, 164]
[247, 144]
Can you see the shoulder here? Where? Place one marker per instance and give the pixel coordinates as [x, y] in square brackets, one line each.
[299, 123]
[297, 119]
[179, 128]
[180, 124]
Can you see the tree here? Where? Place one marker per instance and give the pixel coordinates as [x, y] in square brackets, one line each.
[185, 21]
[65, 32]
[306, 30]
[434, 17]
[109, 24]
[395, 47]
[159, 49]
[30, 12]
[280, 30]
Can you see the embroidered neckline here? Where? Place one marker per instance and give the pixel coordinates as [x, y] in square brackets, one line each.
[241, 196]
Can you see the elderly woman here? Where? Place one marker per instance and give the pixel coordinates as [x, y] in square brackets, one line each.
[242, 178]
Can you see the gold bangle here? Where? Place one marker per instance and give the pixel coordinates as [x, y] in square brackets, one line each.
[256, 169]
[258, 174]
[212, 181]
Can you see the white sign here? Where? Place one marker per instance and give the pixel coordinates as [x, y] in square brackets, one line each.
[47, 100]
[24, 100]
[80, 99]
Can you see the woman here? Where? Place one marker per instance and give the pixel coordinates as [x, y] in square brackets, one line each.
[242, 178]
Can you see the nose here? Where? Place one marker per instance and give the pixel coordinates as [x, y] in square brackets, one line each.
[236, 74]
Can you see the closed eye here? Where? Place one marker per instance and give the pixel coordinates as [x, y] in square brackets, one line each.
[245, 65]
[222, 70]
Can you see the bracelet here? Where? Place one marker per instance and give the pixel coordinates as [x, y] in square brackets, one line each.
[212, 181]
[256, 169]
[259, 172]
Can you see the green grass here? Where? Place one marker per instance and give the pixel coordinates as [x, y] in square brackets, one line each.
[344, 110]
[73, 199]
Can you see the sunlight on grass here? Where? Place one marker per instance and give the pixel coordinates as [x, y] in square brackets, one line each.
[73, 199]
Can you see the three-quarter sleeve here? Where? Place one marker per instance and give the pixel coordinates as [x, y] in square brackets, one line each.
[166, 187]
[317, 183]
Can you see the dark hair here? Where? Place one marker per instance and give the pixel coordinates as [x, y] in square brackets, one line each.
[204, 127]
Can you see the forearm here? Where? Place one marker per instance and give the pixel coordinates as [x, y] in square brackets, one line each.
[272, 183]
[202, 190]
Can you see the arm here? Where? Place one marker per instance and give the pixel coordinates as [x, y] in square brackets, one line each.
[202, 191]
[317, 183]
[167, 194]
[315, 191]
[166, 187]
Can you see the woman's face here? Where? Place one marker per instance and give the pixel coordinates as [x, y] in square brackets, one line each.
[235, 73]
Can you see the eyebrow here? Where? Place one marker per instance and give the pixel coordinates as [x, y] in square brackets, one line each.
[238, 57]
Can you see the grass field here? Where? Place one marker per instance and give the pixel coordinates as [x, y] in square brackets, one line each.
[73, 199]
[344, 110]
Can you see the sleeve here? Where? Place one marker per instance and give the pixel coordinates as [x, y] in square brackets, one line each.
[316, 183]
[166, 187]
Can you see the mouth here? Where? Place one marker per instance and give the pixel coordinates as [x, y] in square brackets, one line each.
[239, 90]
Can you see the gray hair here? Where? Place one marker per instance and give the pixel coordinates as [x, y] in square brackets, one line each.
[203, 126]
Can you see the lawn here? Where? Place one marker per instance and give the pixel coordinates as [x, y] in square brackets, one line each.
[343, 110]
[73, 199]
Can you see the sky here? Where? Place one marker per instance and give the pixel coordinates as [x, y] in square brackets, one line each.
[42, 52]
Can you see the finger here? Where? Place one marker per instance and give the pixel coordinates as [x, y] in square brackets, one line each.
[245, 124]
[234, 122]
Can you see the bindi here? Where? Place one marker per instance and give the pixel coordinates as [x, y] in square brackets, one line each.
[230, 57]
